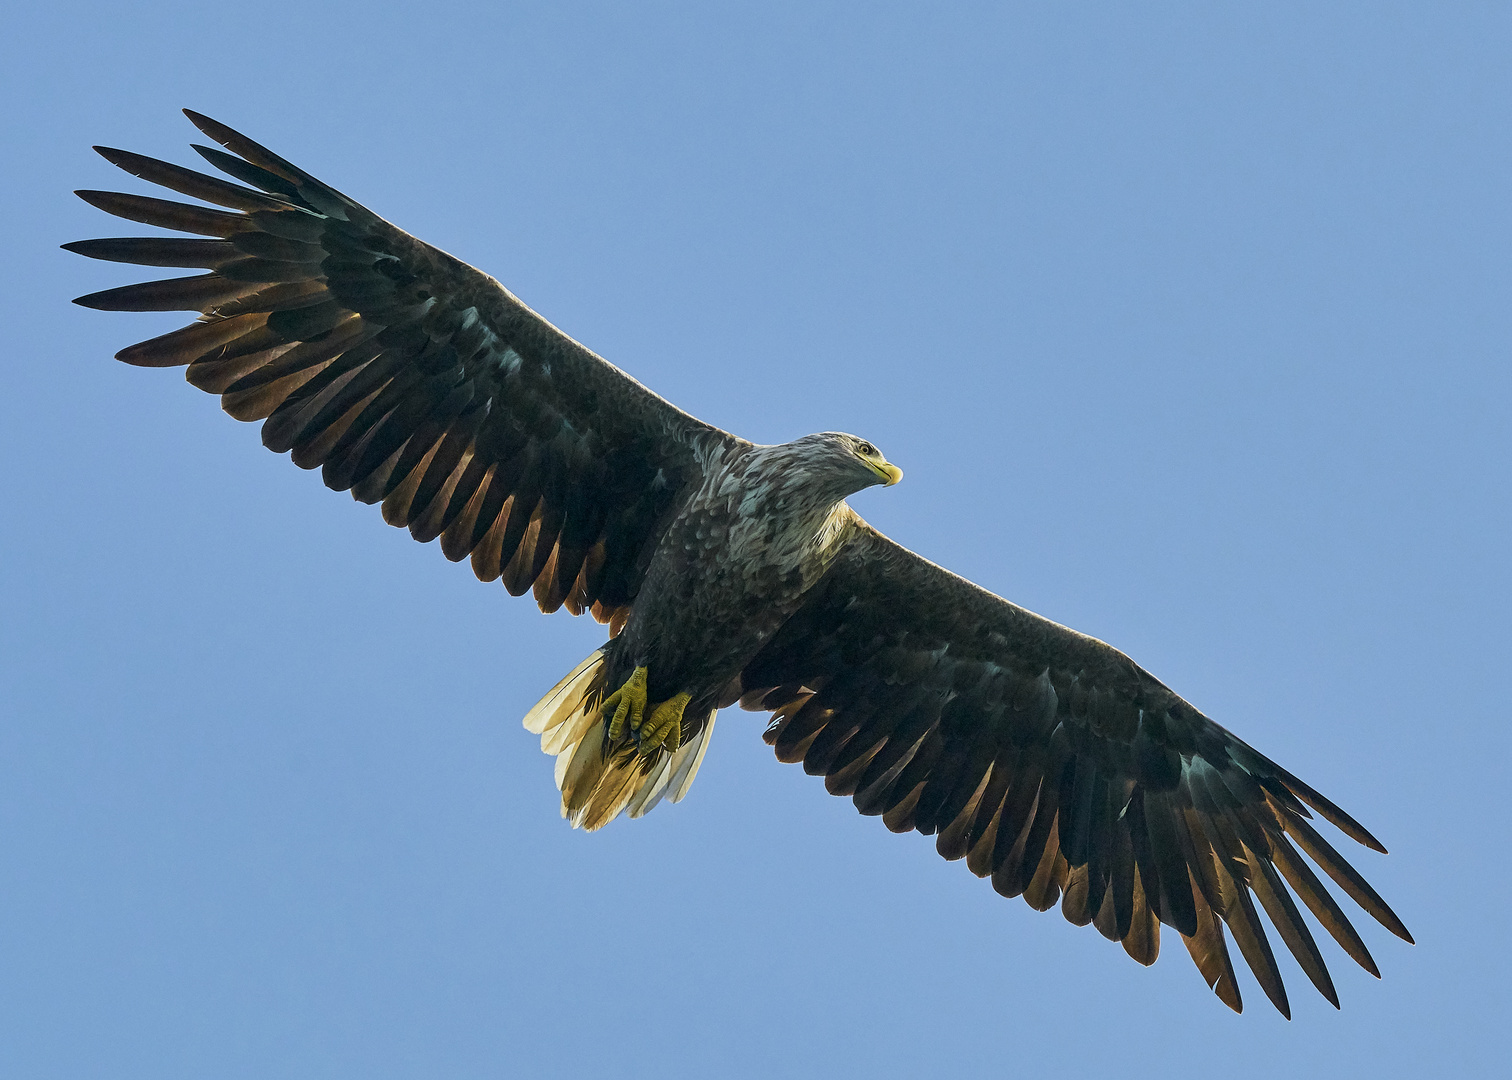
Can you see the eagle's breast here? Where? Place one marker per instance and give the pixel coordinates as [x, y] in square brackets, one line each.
[731, 568]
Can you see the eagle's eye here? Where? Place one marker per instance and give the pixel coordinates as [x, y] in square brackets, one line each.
[866, 449]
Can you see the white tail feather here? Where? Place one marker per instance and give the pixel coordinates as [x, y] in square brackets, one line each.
[649, 793]
[600, 782]
[682, 780]
[682, 767]
[563, 699]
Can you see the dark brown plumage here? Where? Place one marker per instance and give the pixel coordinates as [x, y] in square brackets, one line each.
[400, 372]
[1050, 762]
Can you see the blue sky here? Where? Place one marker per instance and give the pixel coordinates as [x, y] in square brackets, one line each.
[1188, 324]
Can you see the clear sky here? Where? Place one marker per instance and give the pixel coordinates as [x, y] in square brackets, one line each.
[1188, 322]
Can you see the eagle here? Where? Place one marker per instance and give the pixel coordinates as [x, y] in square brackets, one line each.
[726, 571]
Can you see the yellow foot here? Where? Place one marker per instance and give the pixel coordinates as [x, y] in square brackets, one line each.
[627, 704]
[626, 708]
[665, 726]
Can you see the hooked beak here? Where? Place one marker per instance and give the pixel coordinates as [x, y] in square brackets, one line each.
[889, 472]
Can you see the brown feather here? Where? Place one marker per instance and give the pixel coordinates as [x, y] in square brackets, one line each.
[307, 358]
[170, 294]
[166, 214]
[1287, 920]
[314, 448]
[188, 182]
[1249, 935]
[1323, 906]
[398, 503]
[1345, 824]
[157, 251]
[190, 343]
[458, 538]
[954, 840]
[486, 554]
[1210, 954]
[1045, 885]
[1348, 878]
[1142, 942]
[216, 374]
[281, 297]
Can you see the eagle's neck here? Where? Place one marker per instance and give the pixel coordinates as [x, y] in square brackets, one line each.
[783, 511]
[832, 529]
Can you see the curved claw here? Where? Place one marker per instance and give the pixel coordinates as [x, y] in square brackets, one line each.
[628, 704]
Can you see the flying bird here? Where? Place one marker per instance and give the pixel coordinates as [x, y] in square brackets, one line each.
[727, 572]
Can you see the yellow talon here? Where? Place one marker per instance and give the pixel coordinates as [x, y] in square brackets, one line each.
[628, 703]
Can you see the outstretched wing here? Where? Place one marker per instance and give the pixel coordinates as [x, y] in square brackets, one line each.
[1055, 765]
[407, 376]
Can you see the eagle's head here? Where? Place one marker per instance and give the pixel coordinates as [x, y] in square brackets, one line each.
[840, 464]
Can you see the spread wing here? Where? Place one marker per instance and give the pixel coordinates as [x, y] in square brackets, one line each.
[406, 376]
[1053, 764]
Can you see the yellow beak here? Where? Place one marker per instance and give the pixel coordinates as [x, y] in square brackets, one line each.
[889, 472]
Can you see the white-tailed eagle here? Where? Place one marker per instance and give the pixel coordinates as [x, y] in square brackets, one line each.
[1050, 762]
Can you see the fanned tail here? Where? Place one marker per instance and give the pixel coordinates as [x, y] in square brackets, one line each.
[599, 780]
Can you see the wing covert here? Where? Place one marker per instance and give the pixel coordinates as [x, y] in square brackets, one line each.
[407, 376]
[1054, 765]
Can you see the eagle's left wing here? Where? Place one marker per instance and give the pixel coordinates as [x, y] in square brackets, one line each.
[1054, 764]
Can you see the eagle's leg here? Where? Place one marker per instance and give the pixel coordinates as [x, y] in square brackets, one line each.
[627, 710]
[627, 704]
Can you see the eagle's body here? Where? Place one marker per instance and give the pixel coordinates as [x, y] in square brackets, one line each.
[1048, 761]
[735, 563]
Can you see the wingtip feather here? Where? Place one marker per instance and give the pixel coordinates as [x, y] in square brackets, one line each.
[1331, 812]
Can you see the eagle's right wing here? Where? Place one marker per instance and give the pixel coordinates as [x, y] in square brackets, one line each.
[409, 377]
